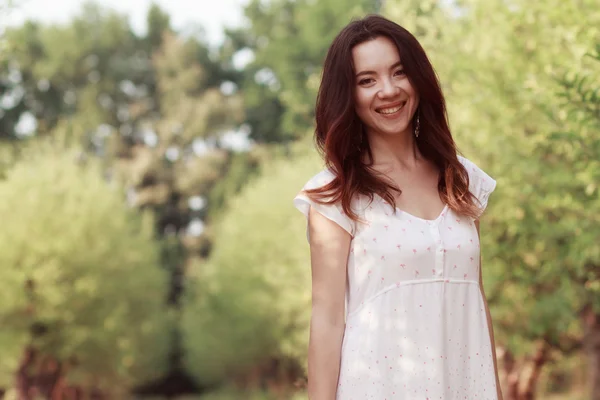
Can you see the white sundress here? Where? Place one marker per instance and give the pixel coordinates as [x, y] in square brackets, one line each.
[416, 327]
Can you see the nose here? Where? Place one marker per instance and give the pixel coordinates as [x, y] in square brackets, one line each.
[388, 89]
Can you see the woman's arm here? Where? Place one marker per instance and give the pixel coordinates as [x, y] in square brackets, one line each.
[329, 250]
[489, 319]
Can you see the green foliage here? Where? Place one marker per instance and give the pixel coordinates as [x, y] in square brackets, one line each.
[581, 108]
[188, 112]
[251, 301]
[281, 83]
[74, 70]
[158, 22]
[143, 105]
[241, 168]
[80, 271]
[190, 107]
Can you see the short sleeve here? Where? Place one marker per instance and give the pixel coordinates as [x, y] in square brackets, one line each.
[334, 212]
[480, 184]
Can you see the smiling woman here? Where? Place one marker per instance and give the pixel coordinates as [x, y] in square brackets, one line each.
[398, 308]
[383, 91]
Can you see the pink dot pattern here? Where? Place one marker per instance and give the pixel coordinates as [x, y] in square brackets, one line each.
[416, 328]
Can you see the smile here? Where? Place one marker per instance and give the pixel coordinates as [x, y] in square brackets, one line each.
[391, 110]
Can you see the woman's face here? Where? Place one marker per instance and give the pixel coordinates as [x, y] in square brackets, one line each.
[385, 100]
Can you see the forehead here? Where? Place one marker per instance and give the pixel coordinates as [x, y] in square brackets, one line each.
[376, 54]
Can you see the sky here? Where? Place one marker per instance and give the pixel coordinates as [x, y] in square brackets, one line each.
[212, 15]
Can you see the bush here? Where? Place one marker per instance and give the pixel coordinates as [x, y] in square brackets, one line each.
[82, 284]
[250, 303]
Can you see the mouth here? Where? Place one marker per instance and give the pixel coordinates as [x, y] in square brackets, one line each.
[390, 110]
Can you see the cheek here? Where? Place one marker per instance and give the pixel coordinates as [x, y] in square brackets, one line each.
[363, 103]
[410, 91]
[408, 88]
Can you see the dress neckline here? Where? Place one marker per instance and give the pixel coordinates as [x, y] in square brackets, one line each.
[440, 215]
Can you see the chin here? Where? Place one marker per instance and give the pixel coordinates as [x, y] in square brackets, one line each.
[395, 130]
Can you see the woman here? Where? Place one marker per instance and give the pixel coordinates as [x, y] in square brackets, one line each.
[398, 308]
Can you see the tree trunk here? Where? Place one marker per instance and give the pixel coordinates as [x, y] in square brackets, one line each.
[511, 374]
[37, 377]
[24, 383]
[540, 358]
[591, 346]
[521, 378]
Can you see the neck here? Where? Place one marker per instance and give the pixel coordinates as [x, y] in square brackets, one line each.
[394, 151]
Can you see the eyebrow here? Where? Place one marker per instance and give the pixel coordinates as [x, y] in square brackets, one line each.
[397, 64]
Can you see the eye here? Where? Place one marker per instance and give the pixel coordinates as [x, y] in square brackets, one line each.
[365, 81]
[399, 72]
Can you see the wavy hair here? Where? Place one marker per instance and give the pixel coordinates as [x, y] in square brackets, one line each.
[340, 135]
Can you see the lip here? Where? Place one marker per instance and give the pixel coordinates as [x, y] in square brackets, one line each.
[391, 105]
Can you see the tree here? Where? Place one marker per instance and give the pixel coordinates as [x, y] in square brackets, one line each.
[150, 108]
[84, 293]
[288, 40]
[159, 23]
[176, 155]
[246, 311]
[581, 94]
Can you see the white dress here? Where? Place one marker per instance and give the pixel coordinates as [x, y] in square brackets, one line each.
[416, 327]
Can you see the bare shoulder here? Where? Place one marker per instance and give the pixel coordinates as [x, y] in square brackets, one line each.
[323, 231]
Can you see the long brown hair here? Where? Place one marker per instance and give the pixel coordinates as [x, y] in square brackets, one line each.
[340, 135]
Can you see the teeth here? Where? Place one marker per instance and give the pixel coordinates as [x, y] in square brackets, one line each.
[391, 110]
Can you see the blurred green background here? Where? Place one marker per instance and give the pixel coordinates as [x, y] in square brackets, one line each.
[149, 248]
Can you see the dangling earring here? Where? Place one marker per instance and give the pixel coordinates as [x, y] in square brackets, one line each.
[418, 126]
